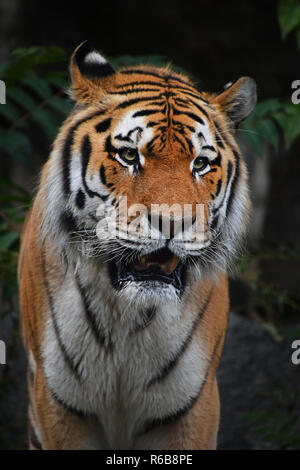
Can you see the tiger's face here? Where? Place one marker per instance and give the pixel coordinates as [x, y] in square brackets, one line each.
[152, 179]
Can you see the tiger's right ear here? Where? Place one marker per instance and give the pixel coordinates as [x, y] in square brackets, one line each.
[90, 74]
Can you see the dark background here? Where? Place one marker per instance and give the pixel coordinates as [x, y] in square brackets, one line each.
[216, 42]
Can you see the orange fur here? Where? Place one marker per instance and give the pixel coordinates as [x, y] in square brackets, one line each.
[164, 179]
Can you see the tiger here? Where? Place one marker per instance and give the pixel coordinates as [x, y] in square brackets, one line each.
[124, 331]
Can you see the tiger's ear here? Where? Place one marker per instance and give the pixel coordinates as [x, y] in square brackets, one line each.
[90, 73]
[238, 100]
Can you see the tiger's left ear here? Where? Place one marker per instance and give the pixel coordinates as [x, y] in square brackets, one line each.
[90, 73]
[238, 100]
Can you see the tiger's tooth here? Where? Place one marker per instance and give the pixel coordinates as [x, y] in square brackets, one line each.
[171, 264]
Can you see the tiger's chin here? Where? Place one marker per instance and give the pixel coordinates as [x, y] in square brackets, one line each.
[159, 276]
[144, 294]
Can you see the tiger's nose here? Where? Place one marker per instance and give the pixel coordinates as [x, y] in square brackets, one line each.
[169, 227]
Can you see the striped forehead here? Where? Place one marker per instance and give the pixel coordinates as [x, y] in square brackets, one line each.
[132, 130]
[136, 129]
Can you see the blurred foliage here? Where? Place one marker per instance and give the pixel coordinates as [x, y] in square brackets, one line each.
[273, 118]
[270, 120]
[280, 423]
[14, 204]
[34, 96]
[289, 18]
[267, 302]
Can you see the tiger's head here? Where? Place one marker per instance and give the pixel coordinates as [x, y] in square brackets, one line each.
[149, 137]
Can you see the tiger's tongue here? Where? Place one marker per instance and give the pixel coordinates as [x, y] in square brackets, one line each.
[168, 266]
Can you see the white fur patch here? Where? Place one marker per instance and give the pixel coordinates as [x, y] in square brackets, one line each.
[94, 58]
[114, 385]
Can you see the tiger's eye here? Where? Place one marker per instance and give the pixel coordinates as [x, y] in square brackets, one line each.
[129, 154]
[200, 163]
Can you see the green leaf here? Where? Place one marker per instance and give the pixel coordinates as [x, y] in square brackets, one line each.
[58, 78]
[37, 84]
[21, 98]
[46, 120]
[8, 239]
[254, 139]
[265, 107]
[38, 55]
[280, 118]
[268, 130]
[129, 60]
[3, 226]
[9, 112]
[292, 128]
[289, 16]
[16, 144]
[5, 184]
[62, 105]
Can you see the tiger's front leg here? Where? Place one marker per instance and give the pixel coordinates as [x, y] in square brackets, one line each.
[53, 427]
[196, 430]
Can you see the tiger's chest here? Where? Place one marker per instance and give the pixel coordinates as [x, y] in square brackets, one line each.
[125, 367]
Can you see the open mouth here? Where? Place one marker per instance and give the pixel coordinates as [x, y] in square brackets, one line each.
[161, 266]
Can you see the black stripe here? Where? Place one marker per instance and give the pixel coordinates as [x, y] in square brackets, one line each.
[219, 183]
[123, 138]
[141, 72]
[147, 317]
[136, 90]
[99, 335]
[182, 143]
[157, 75]
[188, 104]
[141, 82]
[103, 178]
[200, 108]
[169, 419]
[150, 145]
[66, 153]
[145, 112]
[228, 178]
[103, 126]
[80, 199]
[189, 142]
[71, 409]
[209, 147]
[169, 366]
[108, 147]
[33, 439]
[68, 221]
[222, 134]
[128, 103]
[86, 150]
[219, 141]
[215, 222]
[234, 182]
[68, 359]
[102, 174]
[216, 161]
[190, 115]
